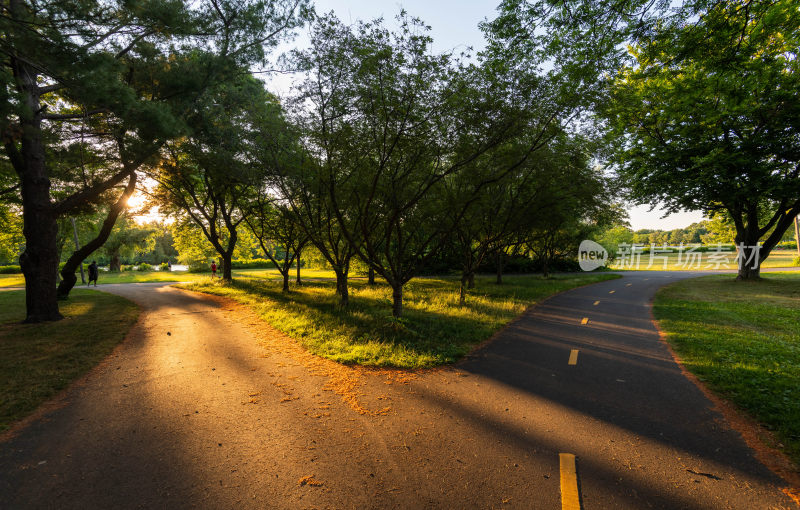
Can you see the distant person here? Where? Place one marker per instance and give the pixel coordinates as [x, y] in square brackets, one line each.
[213, 268]
[93, 273]
[169, 266]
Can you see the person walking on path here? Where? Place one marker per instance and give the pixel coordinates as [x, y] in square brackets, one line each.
[93, 273]
[213, 268]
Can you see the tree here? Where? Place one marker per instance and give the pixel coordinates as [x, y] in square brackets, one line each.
[707, 118]
[304, 187]
[81, 253]
[389, 122]
[208, 175]
[110, 82]
[126, 240]
[496, 207]
[276, 226]
[565, 215]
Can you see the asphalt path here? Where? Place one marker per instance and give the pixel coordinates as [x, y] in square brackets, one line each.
[203, 406]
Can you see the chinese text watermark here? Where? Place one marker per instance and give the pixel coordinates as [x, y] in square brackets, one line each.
[591, 255]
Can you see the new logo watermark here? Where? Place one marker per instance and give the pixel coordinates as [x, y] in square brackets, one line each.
[591, 255]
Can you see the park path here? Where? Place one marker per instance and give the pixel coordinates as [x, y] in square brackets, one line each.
[205, 407]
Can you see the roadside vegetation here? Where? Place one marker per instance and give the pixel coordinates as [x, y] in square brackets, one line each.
[434, 329]
[39, 360]
[742, 339]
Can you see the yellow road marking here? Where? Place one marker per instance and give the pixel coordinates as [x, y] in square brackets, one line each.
[596, 303]
[573, 357]
[570, 499]
[585, 320]
[611, 291]
[628, 284]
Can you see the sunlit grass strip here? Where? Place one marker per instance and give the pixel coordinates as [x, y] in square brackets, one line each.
[17, 280]
[39, 360]
[743, 340]
[433, 331]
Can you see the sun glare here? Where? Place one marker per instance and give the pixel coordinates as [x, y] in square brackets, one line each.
[135, 201]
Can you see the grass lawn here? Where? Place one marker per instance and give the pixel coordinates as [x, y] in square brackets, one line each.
[17, 280]
[39, 360]
[702, 261]
[433, 331]
[743, 340]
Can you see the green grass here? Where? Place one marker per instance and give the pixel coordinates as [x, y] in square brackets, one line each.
[17, 280]
[39, 360]
[776, 259]
[433, 331]
[743, 340]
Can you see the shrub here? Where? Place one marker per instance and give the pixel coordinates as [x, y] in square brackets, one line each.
[796, 261]
[252, 264]
[10, 269]
[144, 266]
[199, 266]
[163, 266]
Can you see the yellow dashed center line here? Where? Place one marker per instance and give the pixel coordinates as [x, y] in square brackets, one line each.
[628, 284]
[585, 320]
[573, 357]
[611, 291]
[570, 499]
[596, 303]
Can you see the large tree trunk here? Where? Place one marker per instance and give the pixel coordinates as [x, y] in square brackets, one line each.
[462, 290]
[371, 276]
[285, 275]
[471, 281]
[39, 261]
[748, 273]
[397, 300]
[341, 287]
[77, 258]
[749, 262]
[227, 270]
[114, 263]
[749, 253]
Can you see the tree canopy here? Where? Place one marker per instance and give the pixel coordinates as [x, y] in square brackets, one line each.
[706, 118]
